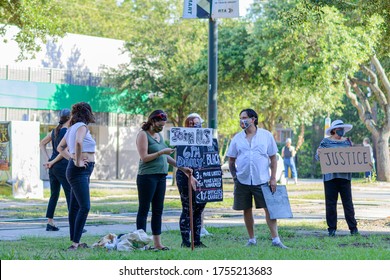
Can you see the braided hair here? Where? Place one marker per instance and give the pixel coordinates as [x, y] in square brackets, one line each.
[64, 117]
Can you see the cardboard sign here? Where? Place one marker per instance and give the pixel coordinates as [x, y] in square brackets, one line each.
[210, 185]
[345, 159]
[189, 136]
[277, 203]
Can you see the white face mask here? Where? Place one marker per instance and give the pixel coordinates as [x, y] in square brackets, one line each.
[245, 123]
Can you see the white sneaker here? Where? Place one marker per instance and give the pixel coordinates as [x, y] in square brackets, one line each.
[204, 232]
[251, 243]
[280, 245]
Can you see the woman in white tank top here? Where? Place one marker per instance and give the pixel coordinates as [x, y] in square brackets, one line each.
[79, 147]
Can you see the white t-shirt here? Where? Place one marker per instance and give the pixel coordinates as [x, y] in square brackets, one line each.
[89, 144]
[252, 160]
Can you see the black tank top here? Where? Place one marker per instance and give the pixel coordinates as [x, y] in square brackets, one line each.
[56, 140]
[287, 152]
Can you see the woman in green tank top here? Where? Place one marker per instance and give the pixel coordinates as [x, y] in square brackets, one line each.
[153, 169]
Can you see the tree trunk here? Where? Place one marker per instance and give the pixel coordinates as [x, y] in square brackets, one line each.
[301, 137]
[383, 158]
[381, 93]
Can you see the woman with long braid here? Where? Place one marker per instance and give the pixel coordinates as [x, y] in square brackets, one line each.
[56, 164]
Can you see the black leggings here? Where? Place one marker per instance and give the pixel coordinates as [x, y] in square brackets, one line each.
[151, 189]
[197, 209]
[57, 176]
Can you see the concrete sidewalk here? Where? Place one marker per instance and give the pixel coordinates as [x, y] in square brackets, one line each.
[372, 203]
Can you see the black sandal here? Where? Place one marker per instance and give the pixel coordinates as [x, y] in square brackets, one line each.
[72, 248]
[83, 245]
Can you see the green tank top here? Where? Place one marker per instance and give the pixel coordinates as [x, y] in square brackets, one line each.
[158, 165]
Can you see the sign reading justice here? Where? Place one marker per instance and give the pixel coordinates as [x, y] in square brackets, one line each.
[347, 159]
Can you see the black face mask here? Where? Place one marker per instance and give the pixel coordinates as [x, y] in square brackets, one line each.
[157, 128]
[340, 132]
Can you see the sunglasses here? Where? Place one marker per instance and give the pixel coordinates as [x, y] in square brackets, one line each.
[161, 116]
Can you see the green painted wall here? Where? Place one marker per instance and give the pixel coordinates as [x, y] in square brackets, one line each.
[45, 96]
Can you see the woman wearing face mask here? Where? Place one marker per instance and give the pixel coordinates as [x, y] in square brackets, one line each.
[153, 169]
[335, 183]
[193, 120]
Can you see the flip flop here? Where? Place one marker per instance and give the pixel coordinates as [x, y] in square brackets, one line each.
[165, 248]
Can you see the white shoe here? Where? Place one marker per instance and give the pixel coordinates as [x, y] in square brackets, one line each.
[280, 245]
[204, 232]
[251, 243]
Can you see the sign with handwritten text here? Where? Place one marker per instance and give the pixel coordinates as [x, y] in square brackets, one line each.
[345, 159]
[198, 156]
[190, 136]
[206, 165]
[210, 185]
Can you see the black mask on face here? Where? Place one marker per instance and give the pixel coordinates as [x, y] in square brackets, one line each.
[157, 128]
[340, 132]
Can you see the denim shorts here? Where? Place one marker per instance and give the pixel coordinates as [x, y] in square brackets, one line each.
[243, 196]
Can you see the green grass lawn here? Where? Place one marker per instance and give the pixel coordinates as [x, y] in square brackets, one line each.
[307, 241]
[226, 244]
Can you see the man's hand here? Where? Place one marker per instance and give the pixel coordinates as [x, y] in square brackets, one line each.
[272, 184]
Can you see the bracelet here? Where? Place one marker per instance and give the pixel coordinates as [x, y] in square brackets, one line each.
[158, 154]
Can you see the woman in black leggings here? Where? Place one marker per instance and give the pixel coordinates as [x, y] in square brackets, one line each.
[57, 168]
[182, 184]
[153, 169]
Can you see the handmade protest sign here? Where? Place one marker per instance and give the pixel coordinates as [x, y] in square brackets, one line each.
[184, 136]
[198, 156]
[210, 185]
[277, 203]
[345, 159]
[206, 165]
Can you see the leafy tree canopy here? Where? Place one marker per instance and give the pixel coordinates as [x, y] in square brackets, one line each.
[36, 19]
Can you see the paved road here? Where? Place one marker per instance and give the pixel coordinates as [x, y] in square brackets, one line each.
[371, 203]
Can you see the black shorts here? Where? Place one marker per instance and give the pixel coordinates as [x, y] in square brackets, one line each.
[243, 196]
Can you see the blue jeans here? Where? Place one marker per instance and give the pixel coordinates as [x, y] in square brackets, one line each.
[151, 190]
[80, 204]
[289, 163]
[57, 176]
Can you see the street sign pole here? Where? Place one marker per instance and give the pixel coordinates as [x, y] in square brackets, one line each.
[213, 74]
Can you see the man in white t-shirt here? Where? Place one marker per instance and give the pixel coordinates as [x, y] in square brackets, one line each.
[249, 154]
